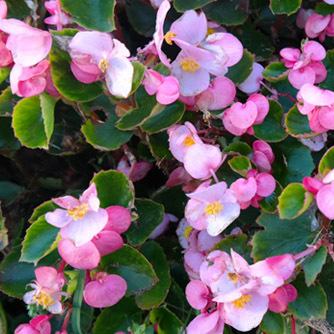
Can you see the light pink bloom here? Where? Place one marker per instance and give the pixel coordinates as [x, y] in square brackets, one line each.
[281, 297]
[156, 3]
[5, 55]
[212, 208]
[105, 290]
[59, 16]
[253, 82]
[3, 9]
[162, 227]
[136, 171]
[28, 45]
[80, 219]
[320, 26]
[177, 177]
[302, 16]
[94, 54]
[166, 88]
[206, 323]
[37, 325]
[325, 196]
[47, 289]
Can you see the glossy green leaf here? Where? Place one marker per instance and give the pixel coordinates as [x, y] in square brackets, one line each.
[328, 83]
[7, 102]
[269, 203]
[113, 188]
[327, 161]
[240, 165]
[159, 145]
[297, 124]
[118, 318]
[240, 71]
[17, 9]
[3, 233]
[311, 302]
[138, 75]
[272, 323]
[294, 200]
[151, 214]
[226, 12]
[163, 117]
[65, 81]
[312, 266]
[282, 236]
[327, 281]
[183, 5]
[155, 296]
[39, 239]
[275, 71]
[7, 138]
[92, 14]
[238, 147]
[133, 267]
[285, 6]
[3, 321]
[9, 190]
[271, 129]
[324, 9]
[4, 72]
[168, 322]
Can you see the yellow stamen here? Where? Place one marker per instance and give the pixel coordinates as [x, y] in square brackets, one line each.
[213, 208]
[78, 212]
[240, 303]
[43, 299]
[189, 141]
[103, 65]
[189, 64]
[210, 31]
[234, 277]
[187, 231]
[168, 37]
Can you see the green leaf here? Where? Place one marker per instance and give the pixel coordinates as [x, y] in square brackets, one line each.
[240, 71]
[9, 190]
[275, 71]
[327, 162]
[183, 5]
[168, 322]
[240, 165]
[282, 236]
[104, 135]
[155, 296]
[133, 267]
[40, 238]
[3, 233]
[42, 210]
[285, 6]
[92, 14]
[297, 124]
[272, 323]
[238, 147]
[7, 138]
[271, 129]
[328, 83]
[7, 102]
[294, 200]
[312, 266]
[226, 12]
[269, 203]
[159, 145]
[4, 72]
[3, 321]
[64, 79]
[17, 9]
[311, 302]
[138, 75]
[47, 103]
[151, 214]
[113, 188]
[324, 9]
[327, 282]
[77, 301]
[31, 124]
[118, 318]
[163, 117]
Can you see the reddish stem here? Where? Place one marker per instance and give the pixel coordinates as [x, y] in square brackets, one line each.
[62, 266]
[293, 325]
[67, 319]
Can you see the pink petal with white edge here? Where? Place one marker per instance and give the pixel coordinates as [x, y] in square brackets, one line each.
[266, 184]
[197, 294]
[84, 257]
[106, 292]
[58, 218]
[325, 201]
[283, 265]
[262, 106]
[107, 242]
[169, 91]
[316, 96]
[204, 323]
[301, 76]
[326, 117]
[119, 219]
[315, 24]
[243, 115]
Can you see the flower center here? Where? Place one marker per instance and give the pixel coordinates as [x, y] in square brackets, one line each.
[78, 212]
[210, 31]
[234, 277]
[43, 299]
[168, 37]
[240, 303]
[189, 64]
[103, 65]
[189, 142]
[213, 208]
[187, 231]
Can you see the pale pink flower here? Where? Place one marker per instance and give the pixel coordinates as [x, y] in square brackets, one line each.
[80, 219]
[212, 208]
[320, 26]
[206, 323]
[59, 16]
[302, 16]
[104, 290]
[177, 177]
[136, 171]
[253, 82]
[94, 54]
[281, 297]
[325, 196]
[37, 325]
[47, 289]
[156, 3]
[6, 58]
[3, 9]
[263, 156]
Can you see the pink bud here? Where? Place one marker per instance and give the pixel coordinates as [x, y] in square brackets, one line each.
[279, 299]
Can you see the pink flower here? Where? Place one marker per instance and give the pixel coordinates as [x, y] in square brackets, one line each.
[281, 297]
[94, 54]
[252, 84]
[206, 323]
[166, 88]
[325, 196]
[5, 55]
[319, 26]
[263, 156]
[302, 16]
[59, 16]
[162, 227]
[105, 290]
[212, 208]
[82, 218]
[136, 171]
[47, 289]
[38, 325]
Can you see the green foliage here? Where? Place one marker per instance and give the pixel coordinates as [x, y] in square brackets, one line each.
[274, 72]
[240, 165]
[313, 265]
[272, 323]
[168, 323]
[297, 124]
[327, 162]
[183, 5]
[285, 6]
[240, 71]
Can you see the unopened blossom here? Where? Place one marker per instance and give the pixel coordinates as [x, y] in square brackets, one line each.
[104, 290]
[263, 156]
[47, 289]
[253, 82]
[281, 297]
[37, 325]
[95, 54]
[212, 208]
[136, 171]
[319, 26]
[58, 16]
[80, 219]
